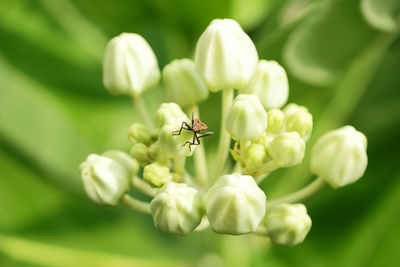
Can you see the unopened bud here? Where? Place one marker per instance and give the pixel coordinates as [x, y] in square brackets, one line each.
[276, 121]
[235, 204]
[140, 152]
[287, 224]
[138, 133]
[287, 149]
[168, 113]
[270, 84]
[177, 208]
[254, 156]
[225, 56]
[130, 66]
[183, 84]
[246, 118]
[340, 156]
[299, 120]
[131, 164]
[156, 174]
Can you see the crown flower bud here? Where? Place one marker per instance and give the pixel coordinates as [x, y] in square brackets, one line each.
[105, 180]
[225, 56]
[254, 156]
[287, 149]
[246, 118]
[131, 164]
[138, 133]
[129, 66]
[299, 120]
[183, 84]
[235, 204]
[156, 174]
[340, 157]
[168, 113]
[174, 145]
[287, 224]
[270, 84]
[177, 208]
[140, 152]
[276, 121]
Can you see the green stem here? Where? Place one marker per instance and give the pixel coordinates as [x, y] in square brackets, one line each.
[265, 170]
[300, 194]
[179, 164]
[143, 186]
[224, 138]
[37, 253]
[200, 161]
[135, 204]
[143, 111]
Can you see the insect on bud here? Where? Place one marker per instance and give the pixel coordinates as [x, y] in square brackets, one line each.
[156, 174]
[299, 120]
[138, 133]
[287, 224]
[287, 149]
[177, 208]
[175, 145]
[270, 84]
[340, 157]
[235, 204]
[130, 66]
[105, 180]
[246, 118]
[225, 56]
[183, 84]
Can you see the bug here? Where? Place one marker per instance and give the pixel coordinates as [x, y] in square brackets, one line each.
[197, 128]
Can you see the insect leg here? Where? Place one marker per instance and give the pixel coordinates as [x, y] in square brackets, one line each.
[183, 126]
[204, 134]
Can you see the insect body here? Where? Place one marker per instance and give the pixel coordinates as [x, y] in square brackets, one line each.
[197, 128]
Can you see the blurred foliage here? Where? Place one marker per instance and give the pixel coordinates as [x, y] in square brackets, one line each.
[342, 58]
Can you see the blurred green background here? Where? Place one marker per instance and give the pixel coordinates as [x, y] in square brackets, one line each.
[342, 58]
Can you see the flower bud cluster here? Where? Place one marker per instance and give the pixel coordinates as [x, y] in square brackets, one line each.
[267, 134]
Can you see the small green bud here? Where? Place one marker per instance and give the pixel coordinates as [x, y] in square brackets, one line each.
[174, 145]
[156, 174]
[270, 84]
[235, 204]
[246, 118]
[130, 66]
[225, 56]
[183, 84]
[276, 121]
[131, 164]
[287, 224]
[254, 156]
[340, 157]
[105, 180]
[141, 153]
[299, 120]
[138, 133]
[287, 149]
[177, 208]
[156, 152]
[168, 113]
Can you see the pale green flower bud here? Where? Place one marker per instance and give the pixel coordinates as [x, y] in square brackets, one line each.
[174, 145]
[270, 84]
[254, 156]
[130, 66]
[156, 174]
[156, 152]
[131, 164]
[340, 156]
[105, 180]
[138, 133]
[140, 152]
[225, 56]
[246, 118]
[299, 120]
[276, 121]
[167, 113]
[287, 149]
[177, 208]
[287, 224]
[183, 84]
[235, 204]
